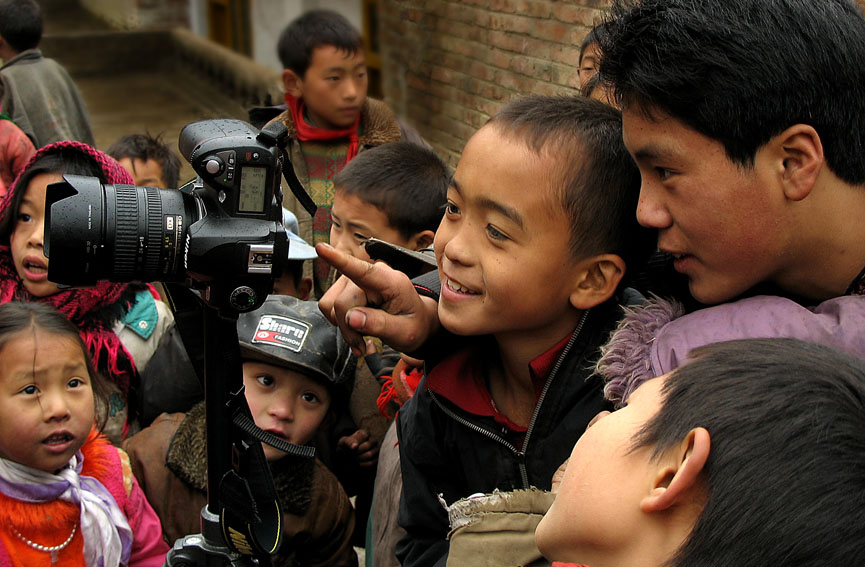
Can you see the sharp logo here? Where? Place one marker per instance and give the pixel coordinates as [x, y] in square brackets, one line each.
[239, 541]
[281, 331]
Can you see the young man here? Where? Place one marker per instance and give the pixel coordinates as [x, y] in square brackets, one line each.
[36, 92]
[749, 455]
[148, 160]
[752, 166]
[329, 117]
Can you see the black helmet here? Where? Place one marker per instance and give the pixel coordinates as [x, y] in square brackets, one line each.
[291, 333]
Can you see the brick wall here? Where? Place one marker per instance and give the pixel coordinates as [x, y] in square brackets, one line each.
[450, 65]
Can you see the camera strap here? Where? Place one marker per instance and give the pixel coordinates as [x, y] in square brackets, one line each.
[297, 188]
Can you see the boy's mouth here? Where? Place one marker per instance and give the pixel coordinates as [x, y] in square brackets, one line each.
[458, 288]
[58, 438]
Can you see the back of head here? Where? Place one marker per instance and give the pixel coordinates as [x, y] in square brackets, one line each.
[313, 29]
[784, 482]
[743, 71]
[146, 147]
[408, 182]
[21, 24]
[598, 182]
[291, 333]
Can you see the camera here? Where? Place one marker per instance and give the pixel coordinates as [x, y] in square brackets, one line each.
[221, 231]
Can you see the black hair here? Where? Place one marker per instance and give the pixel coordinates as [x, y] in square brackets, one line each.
[17, 317]
[314, 29]
[785, 476]
[591, 37]
[145, 147]
[21, 24]
[60, 161]
[743, 71]
[599, 184]
[407, 181]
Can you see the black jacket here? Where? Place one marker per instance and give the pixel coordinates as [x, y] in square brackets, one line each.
[447, 451]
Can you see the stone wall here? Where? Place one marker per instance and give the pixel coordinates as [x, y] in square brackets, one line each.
[449, 65]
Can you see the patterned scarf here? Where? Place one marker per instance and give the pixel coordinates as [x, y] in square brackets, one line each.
[309, 133]
[81, 306]
[106, 532]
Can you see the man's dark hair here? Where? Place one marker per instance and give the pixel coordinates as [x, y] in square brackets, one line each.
[598, 182]
[21, 24]
[785, 477]
[743, 71]
[314, 29]
[145, 147]
[407, 181]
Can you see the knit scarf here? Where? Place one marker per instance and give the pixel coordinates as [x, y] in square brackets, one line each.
[307, 132]
[106, 532]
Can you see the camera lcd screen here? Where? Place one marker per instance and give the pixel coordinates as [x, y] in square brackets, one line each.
[253, 181]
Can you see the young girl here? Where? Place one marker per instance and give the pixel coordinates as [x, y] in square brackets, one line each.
[121, 324]
[67, 496]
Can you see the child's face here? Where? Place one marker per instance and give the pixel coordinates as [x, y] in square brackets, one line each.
[598, 503]
[26, 241]
[144, 172]
[334, 87]
[46, 400]
[284, 402]
[589, 63]
[354, 221]
[502, 246]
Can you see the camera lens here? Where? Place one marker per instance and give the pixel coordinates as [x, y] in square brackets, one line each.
[115, 232]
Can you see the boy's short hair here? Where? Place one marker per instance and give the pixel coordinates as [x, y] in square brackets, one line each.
[408, 182]
[598, 182]
[21, 24]
[145, 147]
[784, 479]
[314, 29]
[291, 333]
[743, 71]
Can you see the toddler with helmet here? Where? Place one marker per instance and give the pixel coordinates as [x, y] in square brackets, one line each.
[296, 370]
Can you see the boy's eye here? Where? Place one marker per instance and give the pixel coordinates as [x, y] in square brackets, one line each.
[361, 238]
[451, 209]
[309, 398]
[334, 223]
[30, 390]
[265, 380]
[495, 234]
[663, 173]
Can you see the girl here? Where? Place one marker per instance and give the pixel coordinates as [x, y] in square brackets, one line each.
[121, 324]
[67, 496]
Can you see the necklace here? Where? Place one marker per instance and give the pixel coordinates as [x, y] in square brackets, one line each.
[53, 550]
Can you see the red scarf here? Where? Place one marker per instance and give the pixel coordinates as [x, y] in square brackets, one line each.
[307, 132]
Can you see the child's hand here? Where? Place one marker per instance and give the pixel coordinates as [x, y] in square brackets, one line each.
[359, 443]
[375, 299]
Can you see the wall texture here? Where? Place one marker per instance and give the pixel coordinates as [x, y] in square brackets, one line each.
[449, 65]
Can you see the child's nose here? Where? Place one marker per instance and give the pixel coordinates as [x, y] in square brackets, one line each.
[283, 410]
[351, 89]
[37, 236]
[54, 406]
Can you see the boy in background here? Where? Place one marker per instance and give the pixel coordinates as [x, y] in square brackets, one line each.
[748, 455]
[36, 92]
[535, 240]
[329, 117]
[292, 281]
[291, 391]
[148, 160]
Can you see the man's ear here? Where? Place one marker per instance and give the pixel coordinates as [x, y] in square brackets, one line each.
[304, 288]
[421, 240]
[801, 153]
[678, 475]
[598, 280]
[292, 84]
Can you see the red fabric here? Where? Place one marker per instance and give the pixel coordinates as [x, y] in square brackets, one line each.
[307, 132]
[390, 393]
[108, 353]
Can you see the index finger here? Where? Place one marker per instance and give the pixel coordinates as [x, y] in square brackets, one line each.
[369, 277]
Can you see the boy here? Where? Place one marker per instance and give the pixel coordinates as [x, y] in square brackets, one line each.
[749, 455]
[296, 371]
[751, 168]
[36, 92]
[534, 242]
[394, 193]
[329, 118]
[148, 160]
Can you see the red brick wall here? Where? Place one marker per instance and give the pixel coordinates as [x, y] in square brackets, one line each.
[449, 65]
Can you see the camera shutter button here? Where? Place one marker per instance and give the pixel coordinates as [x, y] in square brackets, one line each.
[213, 166]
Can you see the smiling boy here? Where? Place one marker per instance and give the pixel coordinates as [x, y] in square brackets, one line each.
[536, 236]
[720, 463]
[751, 158]
[329, 117]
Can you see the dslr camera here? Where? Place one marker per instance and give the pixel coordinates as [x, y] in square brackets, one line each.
[223, 231]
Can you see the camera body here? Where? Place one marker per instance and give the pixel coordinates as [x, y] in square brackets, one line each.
[222, 231]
